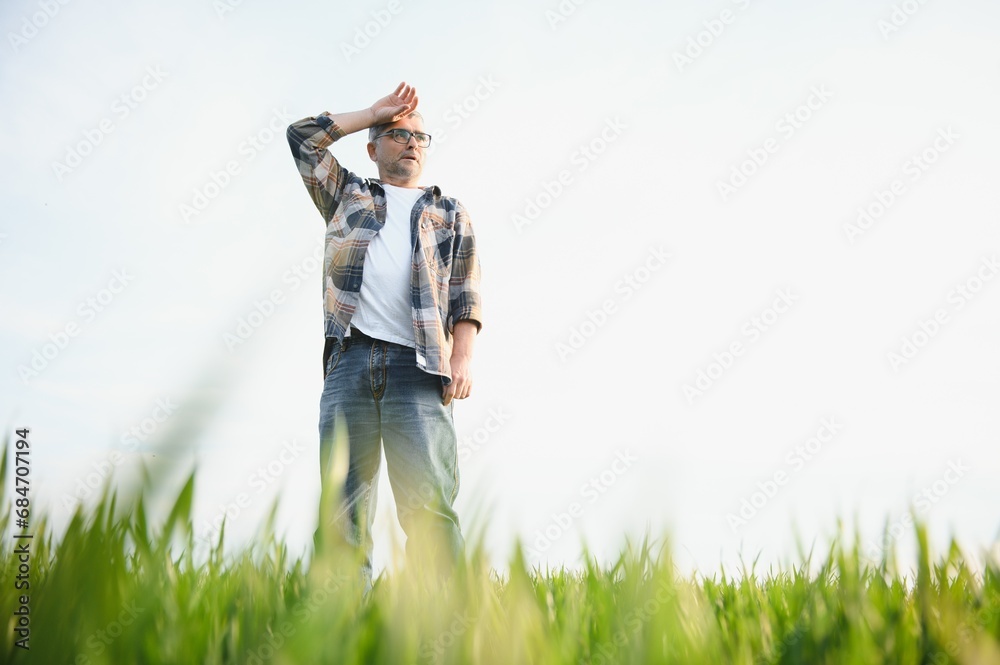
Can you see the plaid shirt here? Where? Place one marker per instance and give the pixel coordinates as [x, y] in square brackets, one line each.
[444, 281]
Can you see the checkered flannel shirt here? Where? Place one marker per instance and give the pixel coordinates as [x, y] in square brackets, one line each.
[444, 281]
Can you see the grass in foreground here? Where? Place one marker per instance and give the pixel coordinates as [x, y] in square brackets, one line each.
[111, 590]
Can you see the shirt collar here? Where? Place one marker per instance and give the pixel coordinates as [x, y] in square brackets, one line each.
[432, 188]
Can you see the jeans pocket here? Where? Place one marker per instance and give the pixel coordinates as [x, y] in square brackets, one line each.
[332, 359]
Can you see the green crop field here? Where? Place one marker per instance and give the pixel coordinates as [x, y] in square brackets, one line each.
[114, 588]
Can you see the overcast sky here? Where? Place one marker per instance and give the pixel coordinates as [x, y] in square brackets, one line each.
[739, 260]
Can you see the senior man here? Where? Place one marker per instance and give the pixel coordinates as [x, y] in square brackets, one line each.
[402, 308]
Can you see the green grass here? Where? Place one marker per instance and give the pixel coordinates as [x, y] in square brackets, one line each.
[116, 589]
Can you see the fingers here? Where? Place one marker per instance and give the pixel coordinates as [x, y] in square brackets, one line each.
[404, 101]
[404, 90]
[408, 94]
[456, 390]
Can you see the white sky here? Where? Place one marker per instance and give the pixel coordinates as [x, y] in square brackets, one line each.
[672, 133]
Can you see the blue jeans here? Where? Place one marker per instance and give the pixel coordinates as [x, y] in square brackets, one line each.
[382, 397]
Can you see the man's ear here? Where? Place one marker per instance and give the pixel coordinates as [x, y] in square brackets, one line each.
[371, 151]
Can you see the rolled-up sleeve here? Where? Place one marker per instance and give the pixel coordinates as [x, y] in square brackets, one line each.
[465, 300]
[321, 173]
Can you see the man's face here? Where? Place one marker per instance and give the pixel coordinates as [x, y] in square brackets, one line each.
[398, 163]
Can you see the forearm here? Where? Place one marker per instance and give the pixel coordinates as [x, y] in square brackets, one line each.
[309, 137]
[354, 121]
[463, 336]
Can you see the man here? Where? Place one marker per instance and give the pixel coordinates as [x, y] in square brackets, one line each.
[402, 308]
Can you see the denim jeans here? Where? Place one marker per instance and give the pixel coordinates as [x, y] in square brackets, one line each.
[381, 395]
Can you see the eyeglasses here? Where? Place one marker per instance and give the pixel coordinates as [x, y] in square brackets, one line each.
[403, 136]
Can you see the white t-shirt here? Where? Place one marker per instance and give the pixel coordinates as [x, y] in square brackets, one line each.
[384, 310]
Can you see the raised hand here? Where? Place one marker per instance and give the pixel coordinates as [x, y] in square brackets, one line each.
[395, 106]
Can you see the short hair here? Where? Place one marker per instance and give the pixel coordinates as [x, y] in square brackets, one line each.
[378, 129]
